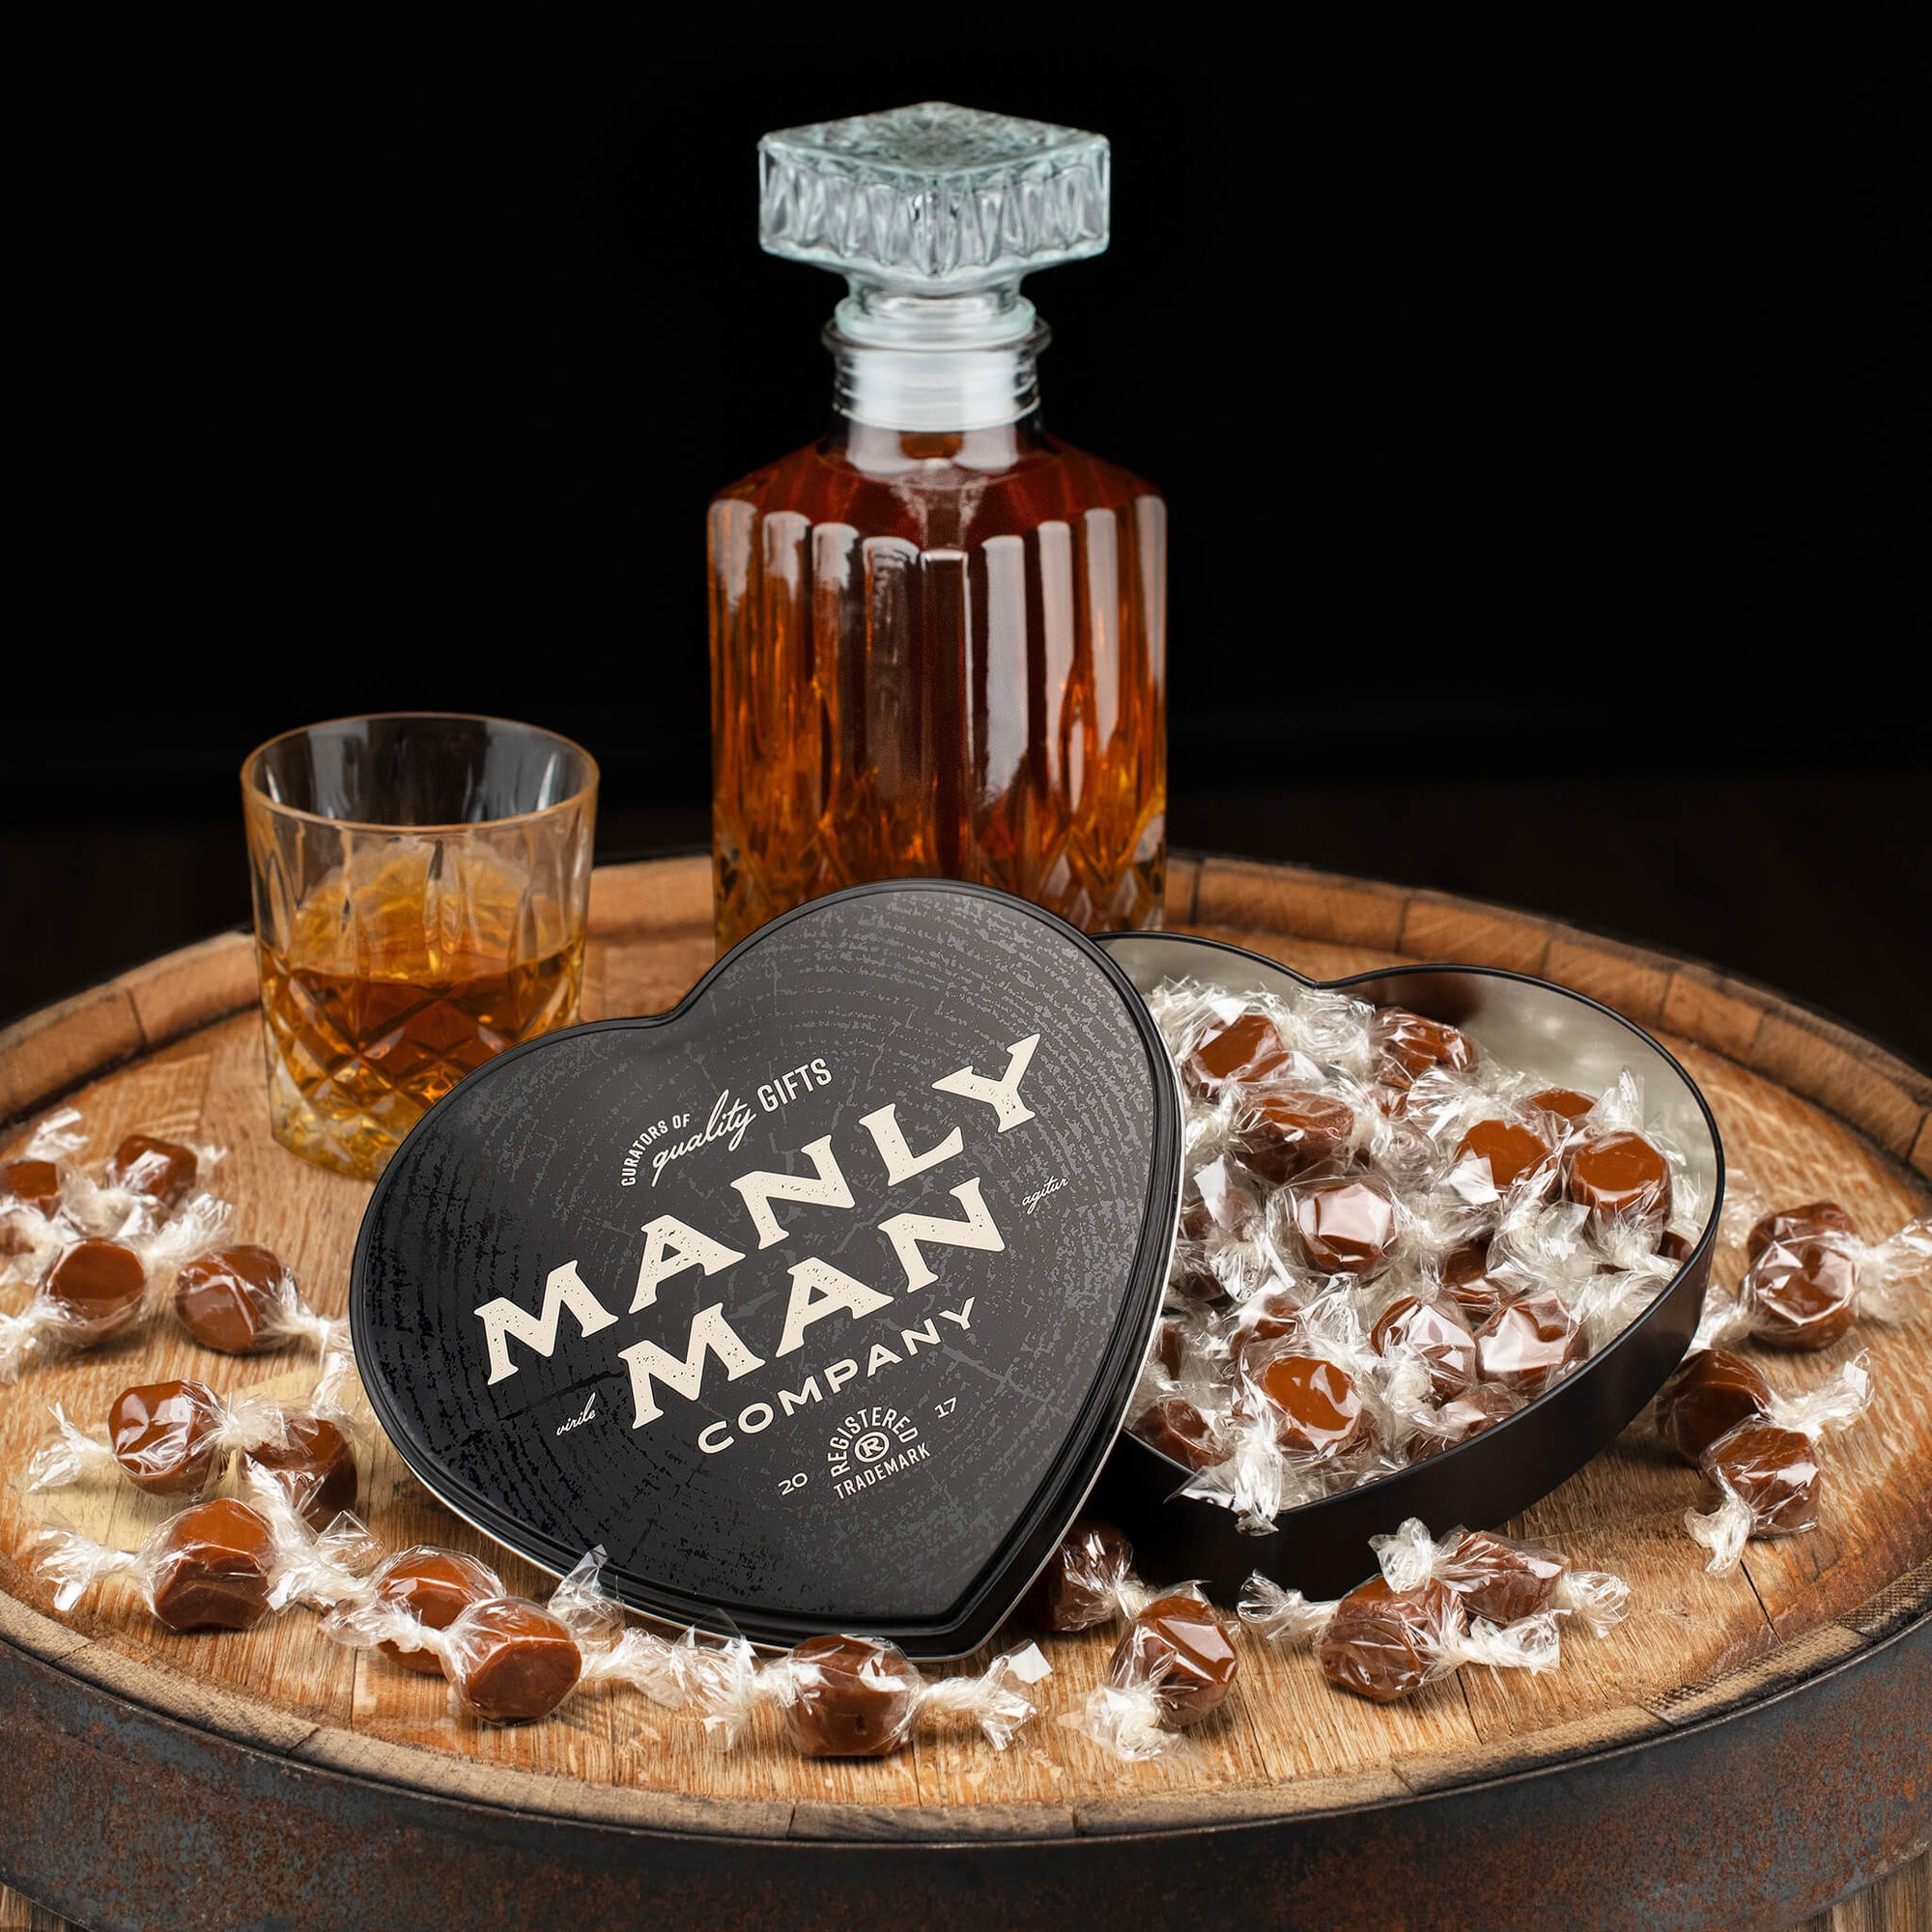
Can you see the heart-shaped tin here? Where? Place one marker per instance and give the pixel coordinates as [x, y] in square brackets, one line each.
[816, 1301]
[1321, 1548]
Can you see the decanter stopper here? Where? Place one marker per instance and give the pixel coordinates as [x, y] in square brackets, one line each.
[933, 201]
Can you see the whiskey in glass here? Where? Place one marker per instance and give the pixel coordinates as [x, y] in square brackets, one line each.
[421, 885]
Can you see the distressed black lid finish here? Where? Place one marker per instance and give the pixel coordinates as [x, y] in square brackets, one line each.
[868, 1396]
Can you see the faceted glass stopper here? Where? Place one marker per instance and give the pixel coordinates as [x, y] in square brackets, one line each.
[933, 199]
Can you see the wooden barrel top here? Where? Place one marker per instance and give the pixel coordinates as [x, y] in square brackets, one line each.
[1806, 1109]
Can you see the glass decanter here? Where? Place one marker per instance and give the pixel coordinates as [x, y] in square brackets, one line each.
[938, 635]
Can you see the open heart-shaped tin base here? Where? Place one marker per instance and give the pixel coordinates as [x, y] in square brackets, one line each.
[1322, 1547]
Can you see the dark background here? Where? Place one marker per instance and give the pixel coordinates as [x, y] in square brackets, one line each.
[1542, 426]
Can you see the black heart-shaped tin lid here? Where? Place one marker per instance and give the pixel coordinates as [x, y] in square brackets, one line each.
[816, 1301]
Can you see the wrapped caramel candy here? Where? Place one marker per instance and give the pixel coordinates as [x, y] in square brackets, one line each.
[1619, 1177]
[243, 1300]
[1310, 1412]
[1316, 1408]
[1816, 1220]
[1762, 1478]
[147, 1180]
[94, 1289]
[87, 1289]
[1407, 1045]
[433, 1587]
[169, 1438]
[1088, 1580]
[312, 1463]
[1710, 1392]
[1228, 1044]
[1243, 1051]
[1464, 1273]
[1262, 1324]
[508, 1661]
[1277, 1136]
[1507, 1149]
[1810, 1276]
[1170, 1347]
[1175, 1666]
[1182, 1650]
[1181, 1431]
[1385, 1644]
[1505, 1579]
[1527, 1345]
[1434, 1333]
[1500, 1578]
[32, 1182]
[1802, 1293]
[1564, 1104]
[858, 1696]
[154, 1170]
[178, 1437]
[1344, 1224]
[220, 1565]
[851, 1697]
[1452, 1423]
[1232, 1209]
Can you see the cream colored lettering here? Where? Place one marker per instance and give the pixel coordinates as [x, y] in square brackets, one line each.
[761, 1189]
[902, 1163]
[710, 1333]
[1002, 1094]
[669, 1248]
[787, 1401]
[907, 1232]
[502, 1319]
[818, 1290]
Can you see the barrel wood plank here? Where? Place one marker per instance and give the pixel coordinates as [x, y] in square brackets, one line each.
[1805, 1109]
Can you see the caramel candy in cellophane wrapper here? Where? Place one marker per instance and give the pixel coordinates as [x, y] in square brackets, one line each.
[858, 1697]
[1470, 1598]
[87, 1288]
[219, 1565]
[1172, 1668]
[1762, 1478]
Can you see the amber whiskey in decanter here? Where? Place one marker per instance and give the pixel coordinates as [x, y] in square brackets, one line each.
[938, 635]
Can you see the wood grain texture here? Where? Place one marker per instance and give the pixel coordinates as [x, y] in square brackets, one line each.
[1805, 1110]
[21, 1914]
[1900, 1902]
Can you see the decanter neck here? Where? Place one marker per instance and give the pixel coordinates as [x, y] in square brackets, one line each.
[936, 363]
